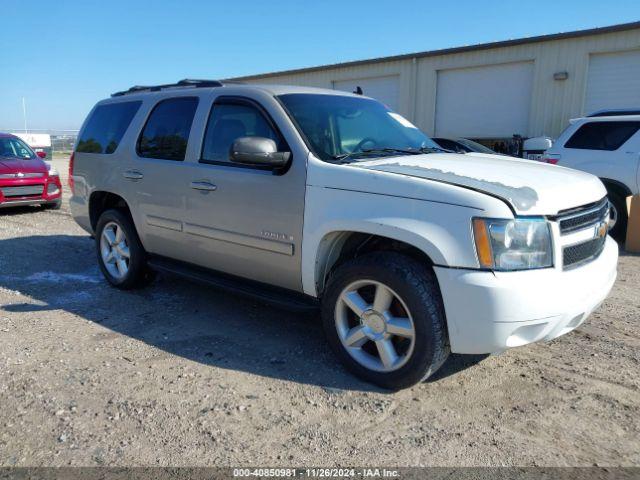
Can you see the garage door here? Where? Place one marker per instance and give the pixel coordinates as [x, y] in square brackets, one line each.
[484, 102]
[385, 89]
[613, 81]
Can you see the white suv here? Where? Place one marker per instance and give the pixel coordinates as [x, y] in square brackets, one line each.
[307, 197]
[606, 144]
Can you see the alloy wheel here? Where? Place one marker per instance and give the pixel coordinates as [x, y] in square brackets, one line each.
[375, 326]
[114, 250]
[613, 215]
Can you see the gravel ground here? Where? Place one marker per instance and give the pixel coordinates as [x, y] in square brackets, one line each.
[180, 374]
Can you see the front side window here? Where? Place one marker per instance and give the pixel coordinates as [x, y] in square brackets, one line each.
[336, 125]
[230, 121]
[602, 135]
[106, 127]
[15, 148]
[166, 133]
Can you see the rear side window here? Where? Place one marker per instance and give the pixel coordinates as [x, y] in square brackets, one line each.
[602, 135]
[105, 128]
[230, 121]
[166, 132]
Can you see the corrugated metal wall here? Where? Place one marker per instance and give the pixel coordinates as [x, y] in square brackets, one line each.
[553, 102]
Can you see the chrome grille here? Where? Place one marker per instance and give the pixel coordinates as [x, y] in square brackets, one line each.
[592, 218]
[583, 217]
[576, 255]
[22, 191]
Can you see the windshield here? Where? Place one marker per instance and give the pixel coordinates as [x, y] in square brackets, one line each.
[14, 147]
[474, 146]
[336, 126]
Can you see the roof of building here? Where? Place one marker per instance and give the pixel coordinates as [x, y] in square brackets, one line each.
[446, 51]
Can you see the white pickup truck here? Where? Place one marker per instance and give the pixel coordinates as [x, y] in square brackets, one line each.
[305, 196]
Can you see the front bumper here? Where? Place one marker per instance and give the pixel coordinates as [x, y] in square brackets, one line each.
[488, 312]
[51, 192]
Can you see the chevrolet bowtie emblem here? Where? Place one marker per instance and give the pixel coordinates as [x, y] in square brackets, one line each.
[19, 174]
[601, 231]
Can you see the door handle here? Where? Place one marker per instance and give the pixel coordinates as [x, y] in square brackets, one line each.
[133, 175]
[203, 186]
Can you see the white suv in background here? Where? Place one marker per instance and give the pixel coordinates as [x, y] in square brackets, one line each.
[606, 144]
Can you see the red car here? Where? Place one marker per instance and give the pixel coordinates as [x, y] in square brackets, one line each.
[25, 179]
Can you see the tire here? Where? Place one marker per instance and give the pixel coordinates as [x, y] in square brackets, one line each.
[416, 296]
[619, 203]
[53, 205]
[137, 273]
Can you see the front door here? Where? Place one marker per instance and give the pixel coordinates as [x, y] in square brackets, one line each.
[242, 220]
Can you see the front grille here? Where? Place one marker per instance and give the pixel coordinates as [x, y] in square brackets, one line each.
[583, 217]
[21, 175]
[22, 191]
[575, 255]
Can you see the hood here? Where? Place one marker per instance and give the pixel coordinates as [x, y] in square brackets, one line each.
[22, 165]
[529, 187]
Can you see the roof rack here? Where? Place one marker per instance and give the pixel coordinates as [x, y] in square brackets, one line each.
[615, 112]
[187, 82]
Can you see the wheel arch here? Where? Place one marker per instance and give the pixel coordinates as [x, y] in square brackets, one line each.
[100, 200]
[616, 185]
[339, 245]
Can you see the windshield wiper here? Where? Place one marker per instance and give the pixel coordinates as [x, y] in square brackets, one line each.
[375, 151]
[432, 150]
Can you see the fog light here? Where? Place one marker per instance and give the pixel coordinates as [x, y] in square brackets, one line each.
[52, 189]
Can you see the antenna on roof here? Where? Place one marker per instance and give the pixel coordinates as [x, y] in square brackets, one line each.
[358, 90]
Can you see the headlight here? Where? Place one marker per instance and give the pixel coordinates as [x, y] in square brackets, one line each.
[518, 244]
[52, 170]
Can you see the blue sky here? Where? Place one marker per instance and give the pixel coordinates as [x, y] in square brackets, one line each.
[63, 56]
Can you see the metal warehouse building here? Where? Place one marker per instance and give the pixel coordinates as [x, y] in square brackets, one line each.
[528, 87]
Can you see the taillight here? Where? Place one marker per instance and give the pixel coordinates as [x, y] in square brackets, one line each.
[551, 158]
[71, 172]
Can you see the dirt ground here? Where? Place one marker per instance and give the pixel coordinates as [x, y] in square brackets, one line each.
[180, 374]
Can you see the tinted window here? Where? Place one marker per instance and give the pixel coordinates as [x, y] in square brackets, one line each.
[602, 135]
[166, 132]
[229, 121]
[105, 128]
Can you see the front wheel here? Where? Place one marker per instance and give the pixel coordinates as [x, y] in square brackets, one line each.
[383, 316]
[53, 205]
[619, 217]
[121, 256]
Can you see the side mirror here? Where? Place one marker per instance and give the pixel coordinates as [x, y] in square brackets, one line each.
[42, 154]
[258, 151]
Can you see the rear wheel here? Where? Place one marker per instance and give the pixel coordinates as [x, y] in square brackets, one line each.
[383, 316]
[121, 256]
[619, 216]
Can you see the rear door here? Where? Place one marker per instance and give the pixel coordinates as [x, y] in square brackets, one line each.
[244, 220]
[155, 174]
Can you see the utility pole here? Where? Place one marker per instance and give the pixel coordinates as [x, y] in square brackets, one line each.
[24, 114]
